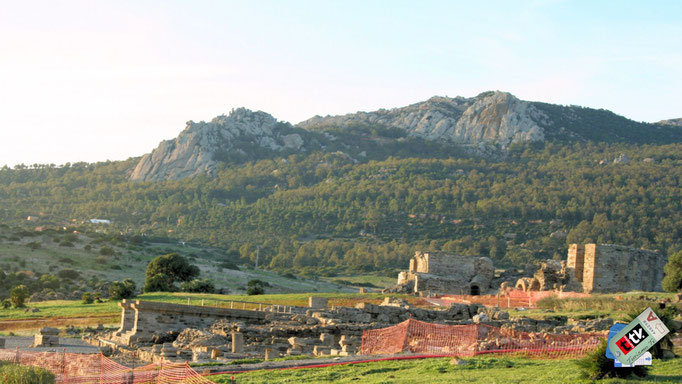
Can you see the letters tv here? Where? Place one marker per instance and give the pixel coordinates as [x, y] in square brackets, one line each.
[631, 339]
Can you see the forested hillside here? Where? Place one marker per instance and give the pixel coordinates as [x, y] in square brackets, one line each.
[330, 210]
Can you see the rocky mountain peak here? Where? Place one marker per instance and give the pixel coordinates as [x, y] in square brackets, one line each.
[486, 123]
[198, 148]
[493, 117]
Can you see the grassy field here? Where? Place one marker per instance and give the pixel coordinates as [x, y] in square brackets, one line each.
[618, 305]
[478, 370]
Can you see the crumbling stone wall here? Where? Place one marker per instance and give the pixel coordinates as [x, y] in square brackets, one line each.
[439, 272]
[617, 268]
[600, 268]
[140, 320]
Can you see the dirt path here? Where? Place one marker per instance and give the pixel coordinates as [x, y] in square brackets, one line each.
[26, 324]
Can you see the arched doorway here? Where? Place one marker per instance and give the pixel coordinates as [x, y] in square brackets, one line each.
[474, 290]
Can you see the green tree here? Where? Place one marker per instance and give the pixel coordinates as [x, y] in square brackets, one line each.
[255, 287]
[159, 283]
[18, 295]
[122, 290]
[174, 266]
[87, 298]
[672, 282]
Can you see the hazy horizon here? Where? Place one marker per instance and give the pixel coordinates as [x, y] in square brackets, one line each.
[91, 82]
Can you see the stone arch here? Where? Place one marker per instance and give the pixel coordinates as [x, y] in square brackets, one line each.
[521, 284]
[534, 285]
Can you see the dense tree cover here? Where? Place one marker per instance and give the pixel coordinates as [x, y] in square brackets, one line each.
[331, 210]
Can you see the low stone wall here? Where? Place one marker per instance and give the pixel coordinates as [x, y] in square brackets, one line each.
[141, 319]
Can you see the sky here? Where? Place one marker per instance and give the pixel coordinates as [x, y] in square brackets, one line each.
[108, 80]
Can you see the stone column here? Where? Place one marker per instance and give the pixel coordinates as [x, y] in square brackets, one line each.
[237, 342]
[269, 353]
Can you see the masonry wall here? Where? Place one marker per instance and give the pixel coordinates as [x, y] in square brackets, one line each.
[615, 268]
[442, 264]
[576, 262]
[141, 319]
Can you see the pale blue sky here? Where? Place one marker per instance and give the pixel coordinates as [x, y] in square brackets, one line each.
[97, 80]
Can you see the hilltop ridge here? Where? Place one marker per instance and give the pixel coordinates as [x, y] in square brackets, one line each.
[486, 124]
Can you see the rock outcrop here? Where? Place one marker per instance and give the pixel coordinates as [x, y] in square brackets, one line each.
[202, 146]
[671, 122]
[486, 124]
[490, 118]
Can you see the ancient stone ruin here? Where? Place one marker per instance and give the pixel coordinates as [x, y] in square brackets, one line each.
[615, 268]
[47, 337]
[603, 268]
[169, 331]
[442, 273]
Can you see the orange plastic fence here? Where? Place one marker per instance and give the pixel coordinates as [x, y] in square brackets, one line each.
[74, 368]
[513, 298]
[419, 337]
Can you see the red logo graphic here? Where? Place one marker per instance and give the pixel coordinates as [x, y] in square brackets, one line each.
[651, 316]
[625, 345]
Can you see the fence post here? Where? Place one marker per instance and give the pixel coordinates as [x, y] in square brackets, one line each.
[188, 301]
[202, 302]
[18, 357]
[64, 363]
[508, 301]
[101, 362]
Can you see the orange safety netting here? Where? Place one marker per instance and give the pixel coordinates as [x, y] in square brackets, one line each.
[419, 337]
[512, 298]
[74, 368]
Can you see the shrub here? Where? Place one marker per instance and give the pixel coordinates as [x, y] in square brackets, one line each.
[255, 287]
[68, 274]
[122, 290]
[106, 251]
[67, 260]
[21, 374]
[87, 298]
[198, 286]
[65, 243]
[159, 283]
[49, 281]
[33, 245]
[6, 303]
[88, 247]
[18, 295]
[596, 366]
